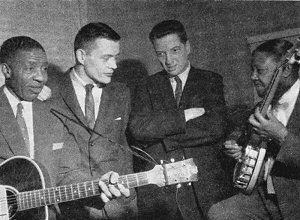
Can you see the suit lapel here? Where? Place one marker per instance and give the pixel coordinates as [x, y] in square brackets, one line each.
[69, 97]
[10, 128]
[294, 118]
[166, 89]
[39, 141]
[106, 107]
[189, 87]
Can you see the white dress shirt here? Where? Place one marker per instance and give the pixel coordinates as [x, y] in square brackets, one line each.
[282, 112]
[79, 87]
[287, 103]
[27, 114]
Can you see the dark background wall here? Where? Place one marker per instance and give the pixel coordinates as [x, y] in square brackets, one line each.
[217, 32]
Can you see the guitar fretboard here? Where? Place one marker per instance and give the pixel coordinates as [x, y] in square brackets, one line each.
[59, 194]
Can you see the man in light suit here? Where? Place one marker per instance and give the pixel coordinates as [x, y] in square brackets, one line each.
[179, 113]
[97, 118]
[26, 125]
[277, 195]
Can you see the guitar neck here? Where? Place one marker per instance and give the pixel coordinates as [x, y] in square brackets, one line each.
[59, 194]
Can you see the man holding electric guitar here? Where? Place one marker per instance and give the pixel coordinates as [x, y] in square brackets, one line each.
[269, 173]
[29, 131]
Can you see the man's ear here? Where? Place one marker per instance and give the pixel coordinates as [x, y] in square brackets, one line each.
[6, 70]
[188, 47]
[80, 56]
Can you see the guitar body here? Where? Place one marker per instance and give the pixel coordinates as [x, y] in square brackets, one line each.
[21, 174]
[25, 195]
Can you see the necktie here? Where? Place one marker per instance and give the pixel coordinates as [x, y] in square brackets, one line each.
[22, 124]
[89, 106]
[178, 89]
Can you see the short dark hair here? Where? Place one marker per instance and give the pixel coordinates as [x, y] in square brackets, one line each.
[90, 32]
[168, 27]
[12, 45]
[276, 48]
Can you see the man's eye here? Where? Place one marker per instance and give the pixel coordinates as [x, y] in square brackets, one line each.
[176, 50]
[159, 54]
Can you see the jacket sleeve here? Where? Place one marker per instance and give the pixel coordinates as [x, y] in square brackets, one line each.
[208, 128]
[147, 125]
[288, 157]
[168, 124]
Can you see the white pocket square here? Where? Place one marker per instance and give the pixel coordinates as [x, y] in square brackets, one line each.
[57, 146]
[118, 119]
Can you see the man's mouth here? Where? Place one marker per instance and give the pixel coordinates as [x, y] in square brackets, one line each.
[171, 68]
[36, 89]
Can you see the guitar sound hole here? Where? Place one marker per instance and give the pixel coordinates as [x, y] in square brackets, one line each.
[12, 203]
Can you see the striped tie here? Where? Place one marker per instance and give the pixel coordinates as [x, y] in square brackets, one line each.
[178, 89]
[22, 124]
[89, 106]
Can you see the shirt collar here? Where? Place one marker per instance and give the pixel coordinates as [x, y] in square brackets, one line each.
[13, 100]
[79, 81]
[291, 94]
[184, 75]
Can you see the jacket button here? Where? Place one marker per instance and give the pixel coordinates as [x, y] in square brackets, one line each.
[91, 143]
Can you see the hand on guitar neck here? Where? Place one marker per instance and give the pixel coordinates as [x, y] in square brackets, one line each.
[18, 196]
[110, 188]
[268, 128]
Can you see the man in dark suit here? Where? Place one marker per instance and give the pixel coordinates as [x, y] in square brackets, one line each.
[27, 127]
[277, 195]
[95, 111]
[179, 113]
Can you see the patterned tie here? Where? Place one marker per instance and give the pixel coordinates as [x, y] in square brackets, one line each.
[89, 106]
[178, 89]
[22, 124]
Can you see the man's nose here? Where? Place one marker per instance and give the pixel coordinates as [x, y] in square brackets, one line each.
[254, 75]
[168, 60]
[41, 75]
[113, 63]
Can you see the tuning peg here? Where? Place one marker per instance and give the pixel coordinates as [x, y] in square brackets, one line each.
[178, 186]
[172, 160]
[161, 162]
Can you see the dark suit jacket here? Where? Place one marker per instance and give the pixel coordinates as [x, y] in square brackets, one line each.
[47, 131]
[159, 124]
[286, 171]
[99, 150]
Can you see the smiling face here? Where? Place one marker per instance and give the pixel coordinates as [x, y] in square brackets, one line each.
[172, 53]
[99, 62]
[26, 73]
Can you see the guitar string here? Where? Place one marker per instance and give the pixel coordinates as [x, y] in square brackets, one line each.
[69, 189]
[122, 180]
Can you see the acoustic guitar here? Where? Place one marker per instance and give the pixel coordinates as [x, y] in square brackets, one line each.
[23, 182]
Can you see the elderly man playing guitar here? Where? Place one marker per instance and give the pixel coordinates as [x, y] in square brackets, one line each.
[29, 131]
[276, 122]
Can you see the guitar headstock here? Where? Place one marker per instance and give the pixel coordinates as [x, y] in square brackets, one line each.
[173, 173]
[292, 55]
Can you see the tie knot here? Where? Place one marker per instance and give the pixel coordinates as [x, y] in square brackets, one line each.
[177, 79]
[89, 87]
[20, 107]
